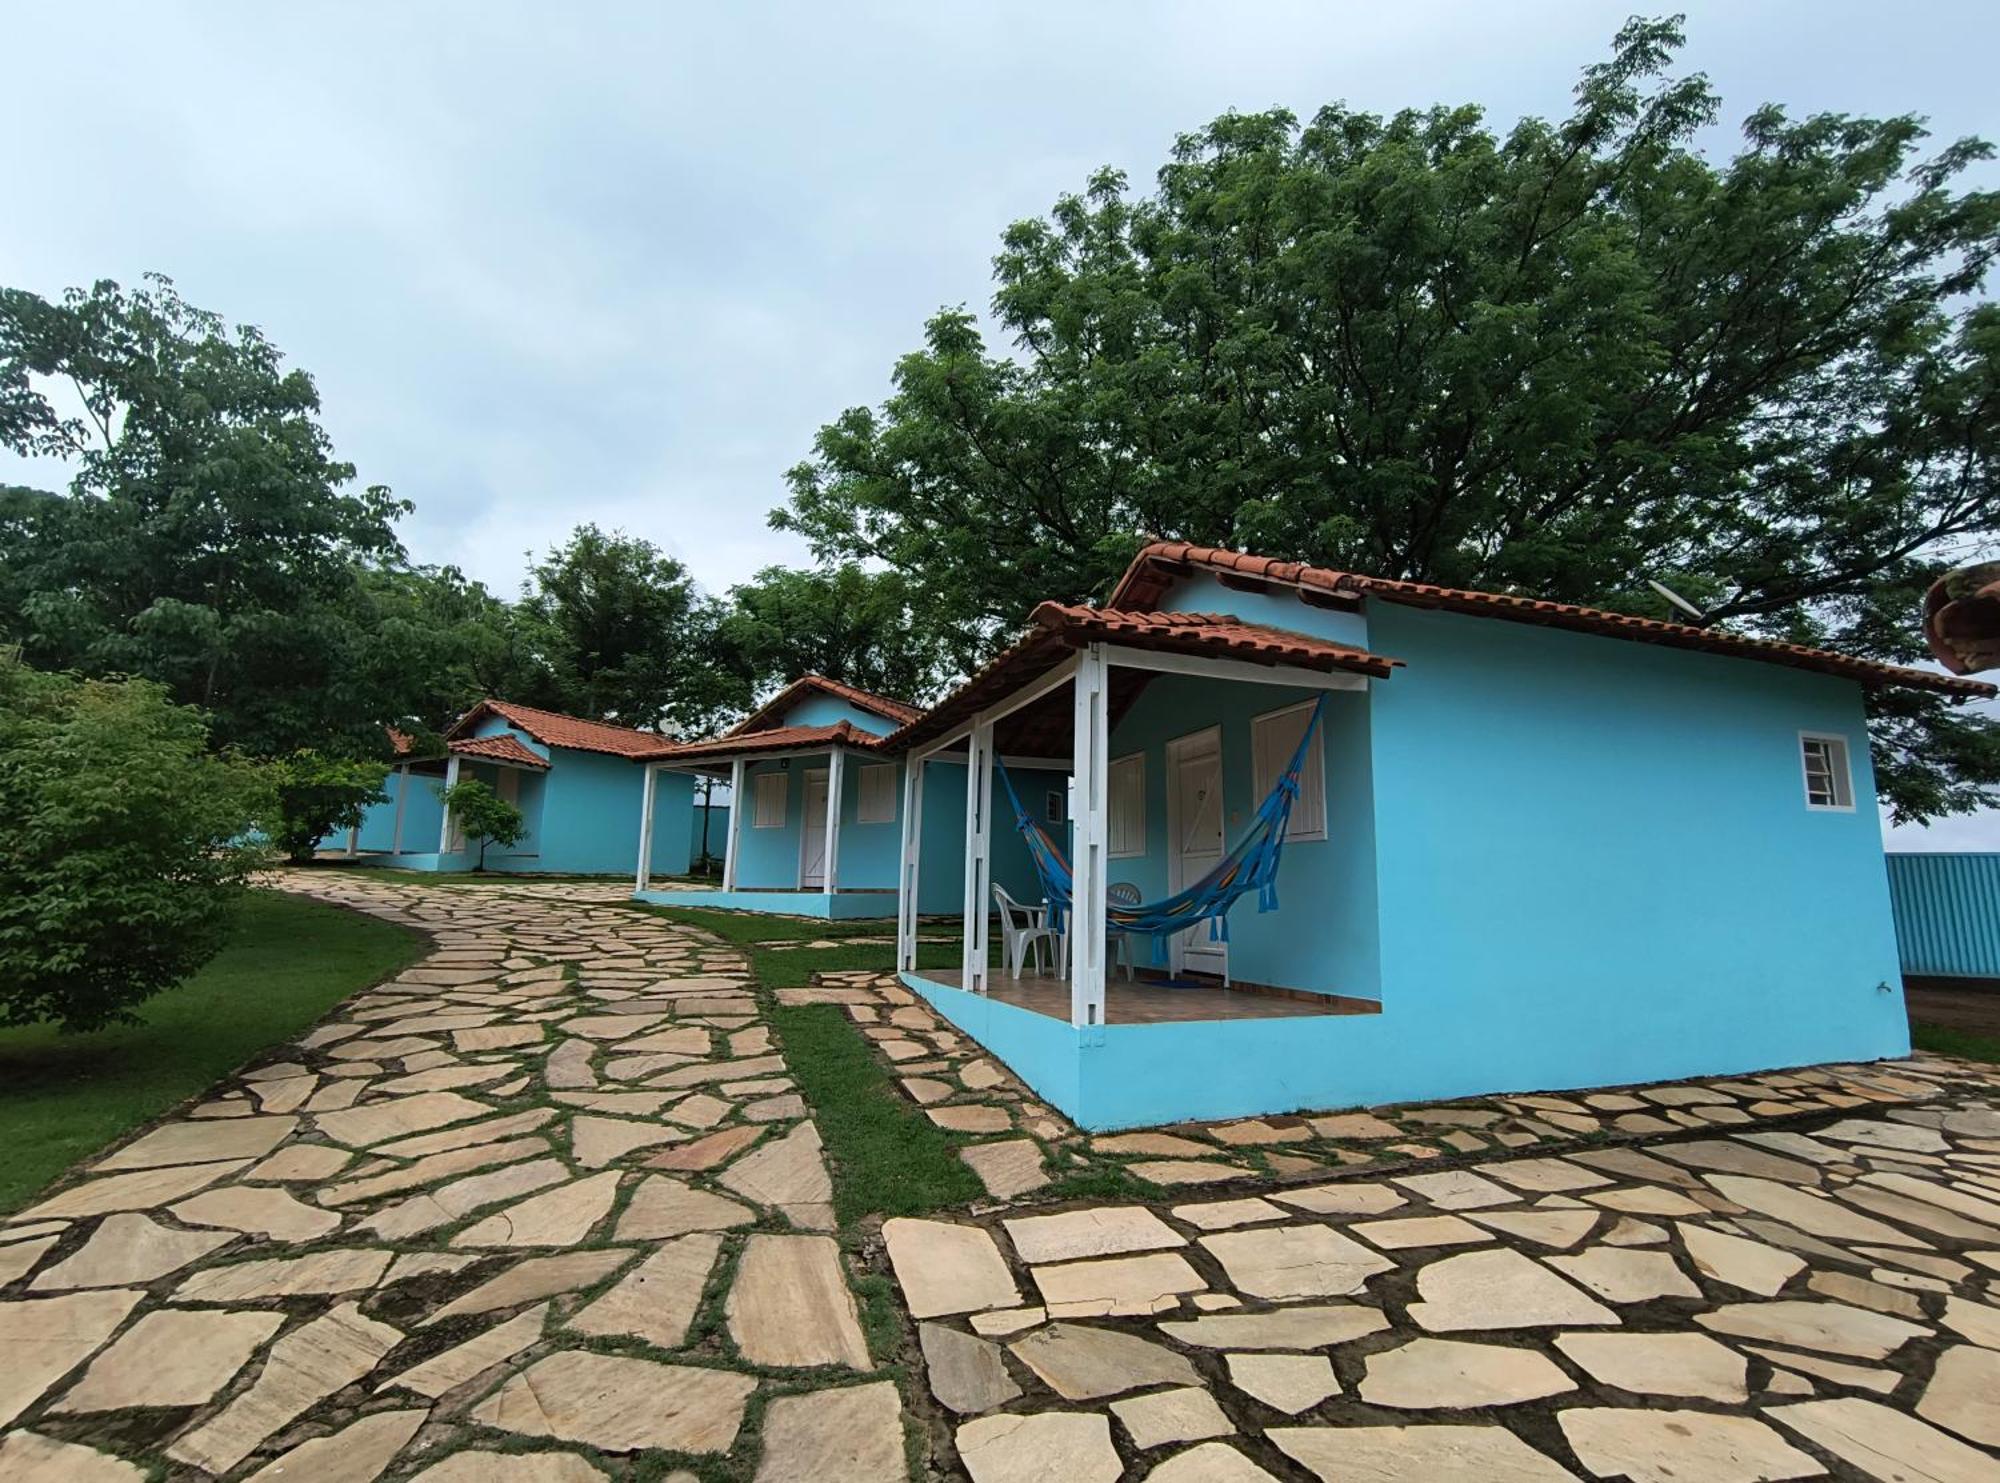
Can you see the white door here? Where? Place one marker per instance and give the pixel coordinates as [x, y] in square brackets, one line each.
[812, 834]
[1195, 830]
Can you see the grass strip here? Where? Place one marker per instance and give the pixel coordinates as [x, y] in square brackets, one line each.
[888, 1158]
[288, 961]
[1946, 1042]
[748, 928]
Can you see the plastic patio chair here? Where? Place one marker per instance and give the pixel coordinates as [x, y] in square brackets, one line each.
[1023, 928]
[1123, 893]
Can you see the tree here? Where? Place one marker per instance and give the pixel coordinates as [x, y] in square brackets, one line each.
[624, 630]
[850, 624]
[122, 845]
[1559, 361]
[209, 539]
[483, 815]
[317, 795]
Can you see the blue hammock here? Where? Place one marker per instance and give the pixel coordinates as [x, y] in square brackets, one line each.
[1251, 866]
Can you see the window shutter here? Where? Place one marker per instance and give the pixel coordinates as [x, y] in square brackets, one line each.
[768, 798]
[1273, 738]
[878, 794]
[1127, 798]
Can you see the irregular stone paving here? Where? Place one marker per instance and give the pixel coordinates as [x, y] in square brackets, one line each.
[1700, 1301]
[546, 1206]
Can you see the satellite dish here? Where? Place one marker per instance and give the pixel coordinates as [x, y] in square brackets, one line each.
[1674, 598]
[1962, 618]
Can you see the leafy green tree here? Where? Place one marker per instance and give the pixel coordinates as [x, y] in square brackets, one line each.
[1559, 361]
[484, 815]
[209, 539]
[624, 631]
[317, 795]
[122, 845]
[845, 622]
[448, 642]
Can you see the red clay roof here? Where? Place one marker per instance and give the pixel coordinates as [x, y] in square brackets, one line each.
[1056, 628]
[556, 730]
[1154, 569]
[775, 739]
[498, 749]
[866, 700]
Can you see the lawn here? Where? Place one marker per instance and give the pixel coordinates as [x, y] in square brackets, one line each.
[289, 960]
[1947, 1042]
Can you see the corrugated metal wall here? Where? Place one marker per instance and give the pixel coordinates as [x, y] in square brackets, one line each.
[1947, 914]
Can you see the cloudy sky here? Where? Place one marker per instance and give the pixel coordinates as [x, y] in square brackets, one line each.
[618, 262]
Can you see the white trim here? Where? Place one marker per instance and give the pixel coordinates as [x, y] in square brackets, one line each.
[1234, 669]
[1205, 742]
[806, 776]
[1134, 849]
[444, 823]
[1840, 772]
[836, 771]
[978, 853]
[737, 802]
[910, 879]
[644, 876]
[1091, 743]
[878, 778]
[402, 792]
[1312, 773]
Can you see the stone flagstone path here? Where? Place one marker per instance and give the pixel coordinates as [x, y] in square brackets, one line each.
[545, 1207]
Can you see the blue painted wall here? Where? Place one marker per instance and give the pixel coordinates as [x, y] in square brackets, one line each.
[1947, 913]
[821, 709]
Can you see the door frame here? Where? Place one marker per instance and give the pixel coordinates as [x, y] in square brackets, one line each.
[807, 775]
[1197, 744]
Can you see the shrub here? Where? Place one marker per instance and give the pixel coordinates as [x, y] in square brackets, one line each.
[317, 795]
[484, 815]
[121, 845]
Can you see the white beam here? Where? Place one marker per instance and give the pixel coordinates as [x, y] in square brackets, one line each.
[911, 880]
[645, 873]
[1239, 670]
[1055, 679]
[402, 792]
[978, 853]
[444, 824]
[737, 803]
[829, 876]
[1087, 903]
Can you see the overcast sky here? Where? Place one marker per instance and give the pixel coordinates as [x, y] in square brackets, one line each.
[618, 262]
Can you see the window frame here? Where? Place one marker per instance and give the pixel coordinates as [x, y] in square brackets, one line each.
[758, 791]
[1313, 770]
[887, 788]
[1111, 850]
[1840, 771]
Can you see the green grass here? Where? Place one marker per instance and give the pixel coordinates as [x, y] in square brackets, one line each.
[749, 928]
[480, 878]
[787, 970]
[1966, 1043]
[288, 961]
[888, 1158]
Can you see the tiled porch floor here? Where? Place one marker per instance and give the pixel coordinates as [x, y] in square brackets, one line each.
[1130, 1002]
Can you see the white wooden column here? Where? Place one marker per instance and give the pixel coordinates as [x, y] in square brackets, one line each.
[1090, 764]
[911, 879]
[737, 803]
[402, 792]
[444, 823]
[828, 877]
[353, 841]
[978, 852]
[644, 877]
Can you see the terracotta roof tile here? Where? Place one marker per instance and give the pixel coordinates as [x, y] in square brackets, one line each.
[556, 730]
[866, 700]
[498, 749]
[776, 739]
[1153, 571]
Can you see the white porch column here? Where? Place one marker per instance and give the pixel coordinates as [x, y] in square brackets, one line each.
[912, 876]
[833, 770]
[736, 806]
[402, 792]
[1090, 764]
[354, 841]
[978, 852]
[645, 873]
[444, 823]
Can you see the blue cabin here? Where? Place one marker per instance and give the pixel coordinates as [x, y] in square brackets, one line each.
[817, 811]
[578, 783]
[1533, 846]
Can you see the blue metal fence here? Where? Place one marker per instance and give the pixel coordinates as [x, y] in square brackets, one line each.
[1947, 914]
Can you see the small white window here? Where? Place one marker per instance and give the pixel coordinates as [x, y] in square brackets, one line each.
[1128, 806]
[1829, 780]
[1274, 736]
[877, 804]
[767, 794]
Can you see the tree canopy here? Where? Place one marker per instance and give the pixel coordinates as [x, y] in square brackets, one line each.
[1560, 360]
[859, 627]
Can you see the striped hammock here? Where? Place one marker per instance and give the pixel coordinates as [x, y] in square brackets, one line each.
[1251, 866]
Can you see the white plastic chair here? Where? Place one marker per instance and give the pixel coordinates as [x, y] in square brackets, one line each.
[1022, 928]
[1118, 893]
